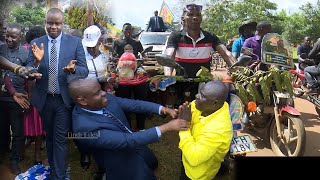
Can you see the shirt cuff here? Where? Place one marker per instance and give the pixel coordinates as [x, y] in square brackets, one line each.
[158, 131]
[160, 109]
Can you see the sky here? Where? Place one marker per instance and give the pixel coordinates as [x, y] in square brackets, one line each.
[138, 12]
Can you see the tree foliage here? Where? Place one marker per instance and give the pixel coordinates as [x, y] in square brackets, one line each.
[5, 7]
[27, 15]
[224, 17]
[311, 19]
[76, 14]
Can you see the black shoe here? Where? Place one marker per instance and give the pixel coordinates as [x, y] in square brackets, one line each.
[15, 169]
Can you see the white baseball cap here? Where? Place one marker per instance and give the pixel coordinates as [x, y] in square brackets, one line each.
[91, 36]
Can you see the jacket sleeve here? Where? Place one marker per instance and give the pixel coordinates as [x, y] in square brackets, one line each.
[30, 59]
[137, 106]
[149, 24]
[200, 150]
[81, 67]
[115, 140]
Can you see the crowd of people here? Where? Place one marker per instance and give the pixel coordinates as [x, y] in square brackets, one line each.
[61, 82]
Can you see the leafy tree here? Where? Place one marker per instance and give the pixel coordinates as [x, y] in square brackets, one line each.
[5, 8]
[311, 16]
[27, 15]
[76, 15]
[294, 30]
[224, 17]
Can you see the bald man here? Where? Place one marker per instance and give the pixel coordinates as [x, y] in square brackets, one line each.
[123, 153]
[207, 142]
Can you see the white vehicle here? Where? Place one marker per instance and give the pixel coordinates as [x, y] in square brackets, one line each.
[158, 41]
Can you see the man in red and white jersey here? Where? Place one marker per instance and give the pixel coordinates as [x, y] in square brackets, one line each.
[192, 46]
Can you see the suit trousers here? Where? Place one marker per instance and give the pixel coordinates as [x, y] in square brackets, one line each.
[57, 121]
[138, 91]
[12, 114]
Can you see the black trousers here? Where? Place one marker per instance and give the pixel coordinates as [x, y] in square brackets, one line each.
[12, 114]
[135, 92]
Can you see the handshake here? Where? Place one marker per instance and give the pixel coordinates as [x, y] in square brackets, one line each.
[181, 121]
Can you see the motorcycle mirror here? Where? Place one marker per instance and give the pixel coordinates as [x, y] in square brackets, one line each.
[148, 49]
[242, 61]
[165, 60]
[303, 56]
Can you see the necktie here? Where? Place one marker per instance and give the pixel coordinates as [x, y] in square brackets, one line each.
[111, 116]
[53, 69]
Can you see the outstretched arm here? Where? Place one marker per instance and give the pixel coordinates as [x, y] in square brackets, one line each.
[6, 64]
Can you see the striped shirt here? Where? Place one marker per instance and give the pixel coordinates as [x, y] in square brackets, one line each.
[192, 54]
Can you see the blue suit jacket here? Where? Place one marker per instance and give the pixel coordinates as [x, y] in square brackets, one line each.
[124, 155]
[70, 49]
[153, 26]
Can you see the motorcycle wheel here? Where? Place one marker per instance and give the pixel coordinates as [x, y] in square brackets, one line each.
[294, 136]
[297, 80]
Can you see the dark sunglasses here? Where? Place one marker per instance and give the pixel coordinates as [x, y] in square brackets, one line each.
[192, 6]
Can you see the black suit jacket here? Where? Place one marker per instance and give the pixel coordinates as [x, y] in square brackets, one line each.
[153, 25]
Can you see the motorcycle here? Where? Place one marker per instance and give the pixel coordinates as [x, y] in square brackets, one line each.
[273, 116]
[240, 144]
[299, 83]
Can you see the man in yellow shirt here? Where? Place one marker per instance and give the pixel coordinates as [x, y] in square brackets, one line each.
[206, 143]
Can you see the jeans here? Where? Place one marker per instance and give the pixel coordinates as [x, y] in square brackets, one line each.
[310, 72]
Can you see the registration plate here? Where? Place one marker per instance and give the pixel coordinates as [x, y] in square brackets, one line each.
[242, 144]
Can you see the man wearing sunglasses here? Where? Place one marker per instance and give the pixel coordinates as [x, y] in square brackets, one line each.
[192, 46]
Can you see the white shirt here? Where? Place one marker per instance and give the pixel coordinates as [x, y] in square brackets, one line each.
[100, 62]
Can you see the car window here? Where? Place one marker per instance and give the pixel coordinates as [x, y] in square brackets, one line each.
[153, 39]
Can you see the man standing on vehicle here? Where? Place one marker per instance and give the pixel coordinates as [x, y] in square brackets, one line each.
[192, 46]
[156, 23]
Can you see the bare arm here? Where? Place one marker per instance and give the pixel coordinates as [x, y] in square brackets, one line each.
[171, 52]
[225, 54]
[6, 64]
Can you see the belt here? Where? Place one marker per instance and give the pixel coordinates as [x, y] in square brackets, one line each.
[53, 95]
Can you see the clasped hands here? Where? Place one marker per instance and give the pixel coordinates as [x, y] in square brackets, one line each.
[182, 117]
[38, 53]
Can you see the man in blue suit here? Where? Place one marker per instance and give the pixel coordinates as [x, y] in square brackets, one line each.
[156, 23]
[63, 57]
[101, 126]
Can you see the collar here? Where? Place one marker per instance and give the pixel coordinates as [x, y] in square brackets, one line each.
[95, 111]
[199, 39]
[58, 38]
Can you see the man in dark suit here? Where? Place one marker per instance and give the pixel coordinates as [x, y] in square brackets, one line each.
[63, 57]
[156, 23]
[101, 127]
